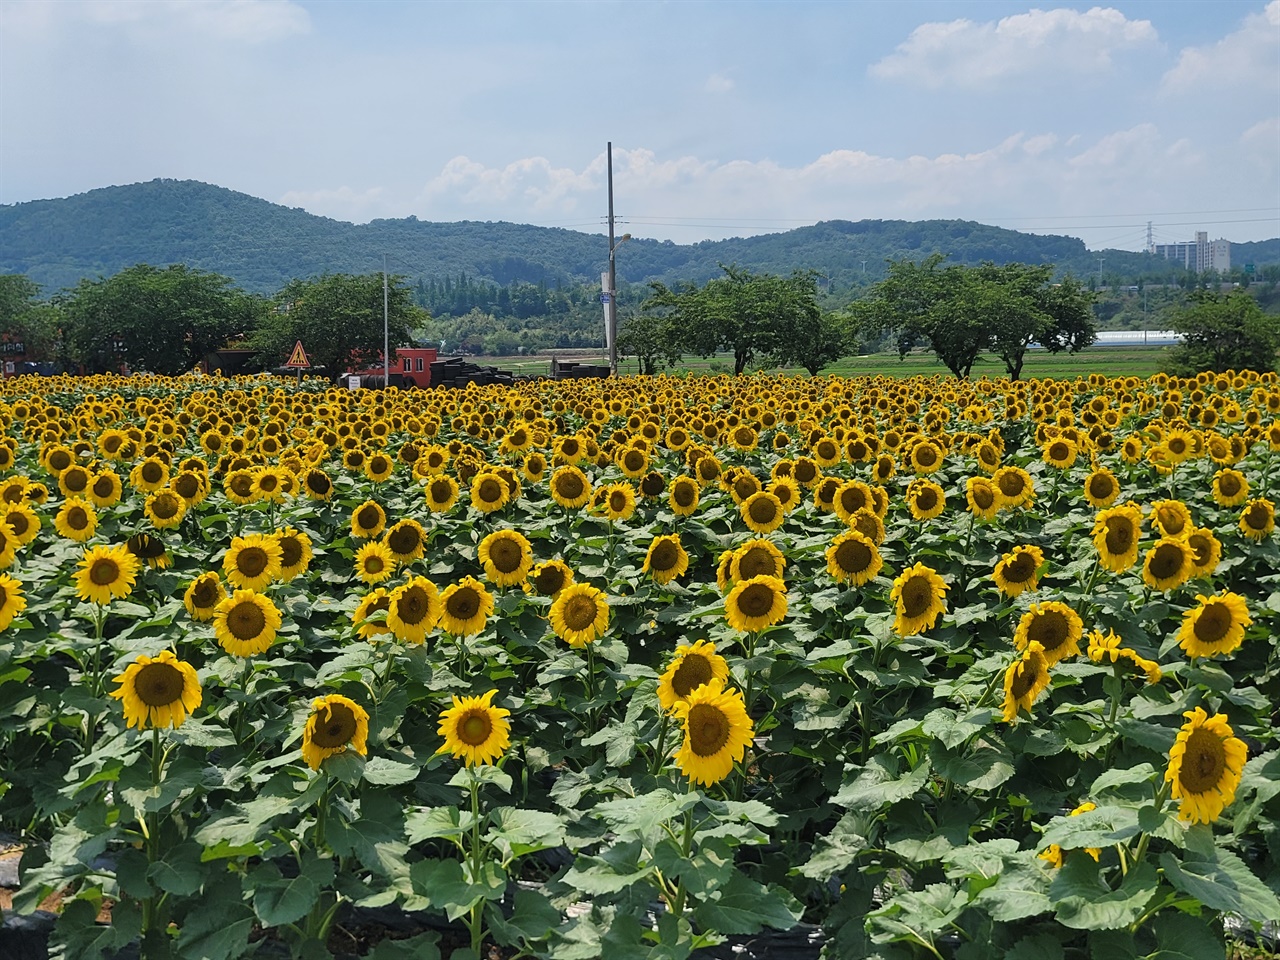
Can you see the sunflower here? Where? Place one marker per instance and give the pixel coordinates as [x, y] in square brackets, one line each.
[474, 730]
[1205, 765]
[756, 603]
[203, 595]
[372, 602]
[1024, 681]
[666, 559]
[252, 561]
[1018, 570]
[406, 540]
[926, 499]
[246, 623]
[717, 732]
[853, 558]
[295, 552]
[374, 562]
[22, 520]
[580, 614]
[1101, 488]
[919, 595]
[467, 605]
[158, 691]
[149, 550]
[1258, 519]
[570, 487]
[1015, 487]
[441, 492]
[1053, 853]
[147, 477]
[1054, 626]
[549, 578]
[268, 485]
[683, 496]
[1171, 518]
[1230, 488]
[1217, 625]
[1116, 532]
[507, 557]
[692, 667]
[335, 723]
[192, 487]
[368, 520]
[379, 467]
[1168, 564]
[618, 501]
[76, 520]
[413, 610]
[925, 457]
[851, 496]
[165, 509]
[317, 485]
[489, 492]
[983, 497]
[106, 489]
[106, 573]
[74, 481]
[762, 512]
[238, 486]
[1206, 552]
[12, 600]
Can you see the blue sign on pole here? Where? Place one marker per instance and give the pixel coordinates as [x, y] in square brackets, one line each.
[604, 298]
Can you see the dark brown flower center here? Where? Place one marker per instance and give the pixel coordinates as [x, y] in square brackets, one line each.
[76, 479]
[917, 596]
[338, 730]
[491, 490]
[1021, 569]
[756, 600]
[104, 572]
[1101, 486]
[693, 672]
[1012, 485]
[290, 551]
[205, 593]
[103, 487]
[1167, 560]
[18, 522]
[252, 561]
[708, 729]
[580, 612]
[246, 621]
[1229, 484]
[1120, 535]
[853, 556]
[1203, 762]
[464, 603]
[505, 554]
[1214, 623]
[983, 496]
[475, 727]
[1257, 517]
[152, 472]
[549, 580]
[165, 506]
[684, 493]
[368, 518]
[1025, 675]
[413, 605]
[1049, 628]
[664, 556]
[159, 684]
[926, 499]
[404, 539]
[763, 510]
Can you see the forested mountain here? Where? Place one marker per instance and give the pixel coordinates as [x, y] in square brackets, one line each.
[262, 245]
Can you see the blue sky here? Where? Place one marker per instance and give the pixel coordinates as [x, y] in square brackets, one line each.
[726, 118]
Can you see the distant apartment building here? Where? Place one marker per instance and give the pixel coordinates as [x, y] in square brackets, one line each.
[1199, 255]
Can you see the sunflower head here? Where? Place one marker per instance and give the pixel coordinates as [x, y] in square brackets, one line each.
[335, 723]
[1019, 570]
[474, 730]
[717, 732]
[853, 558]
[580, 615]
[203, 595]
[1206, 763]
[549, 578]
[465, 607]
[253, 561]
[158, 691]
[665, 559]
[106, 573]
[756, 603]
[1168, 564]
[1216, 625]
[693, 666]
[1054, 626]
[919, 595]
[507, 557]
[1024, 681]
[413, 610]
[368, 520]
[245, 623]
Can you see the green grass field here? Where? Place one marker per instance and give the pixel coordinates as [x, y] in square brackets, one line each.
[1111, 361]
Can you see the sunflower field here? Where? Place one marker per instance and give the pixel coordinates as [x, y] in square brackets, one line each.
[642, 668]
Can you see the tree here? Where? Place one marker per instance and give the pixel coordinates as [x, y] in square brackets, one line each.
[338, 317]
[162, 320]
[745, 313]
[642, 336]
[1035, 310]
[1221, 333]
[29, 320]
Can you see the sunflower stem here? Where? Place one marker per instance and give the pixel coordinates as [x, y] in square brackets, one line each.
[149, 904]
[1162, 797]
[592, 692]
[658, 755]
[475, 921]
[386, 672]
[964, 570]
[245, 672]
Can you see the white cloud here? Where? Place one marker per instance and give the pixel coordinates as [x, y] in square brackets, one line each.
[1046, 42]
[718, 83]
[251, 21]
[1250, 57]
[342, 203]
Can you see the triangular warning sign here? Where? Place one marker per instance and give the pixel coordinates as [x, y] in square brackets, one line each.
[299, 357]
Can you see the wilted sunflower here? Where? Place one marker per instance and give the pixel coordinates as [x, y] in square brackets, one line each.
[1167, 565]
[1024, 681]
[762, 512]
[683, 496]
[1258, 519]
[1101, 488]
[1206, 552]
[717, 732]
[106, 573]
[12, 601]
[926, 499]
[547, 579]
[507, 557]
[203, 595]
[1106, 646]
[1015, 487]
[441, 492]
[580, 615]
[335, 723]
[1018, 570]
[406, 540]
[474, 730]
[666, 559]
[756, 603]
[295, 552]
[1230, 487]
[368, 520]
[1205, 765]
[105, 490]
[252, 561]
[371, 603]
[467, 606]
[76, 520]
[692, 667]
[983, 497]
[1217, 625]
[489, 492]
[1116, 532]
[165, 509]
[158, 691]
[853, 558]
[919, 595]
[413, 610]
[1054, 626]
[245, 623]
[1171, 517]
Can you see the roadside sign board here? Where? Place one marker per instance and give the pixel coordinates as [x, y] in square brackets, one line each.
[353, 382]
[299, 357]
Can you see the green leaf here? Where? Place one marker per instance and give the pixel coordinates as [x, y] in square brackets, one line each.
[1020, 891]
[1084, 902]
[1142, 773]
[744, 906]
[444, 885]
[981, 768]
[1039, 947]
[278, 900]
[361, 838]
[347, 766]
[180, 871]
[916, 916]
[1183, 937]
[83, 938]
[421, 947]
[878, 784]
[532, 919]
[483, 774]
[218, 929]
[617, 868]
[517, 832]
[951, 729]
[1221, 881]
[836, 850]
[1102, 827]
[431, 823]
[387, 772]
[645, 814]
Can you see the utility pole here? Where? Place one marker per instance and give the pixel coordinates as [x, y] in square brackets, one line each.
[386, 344]
[1101, 261]
[613, 277]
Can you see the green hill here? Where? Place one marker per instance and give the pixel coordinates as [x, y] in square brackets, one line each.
[262, 245]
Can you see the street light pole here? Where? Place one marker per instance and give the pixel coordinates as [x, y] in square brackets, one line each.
[613, 278]
[386, 339]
